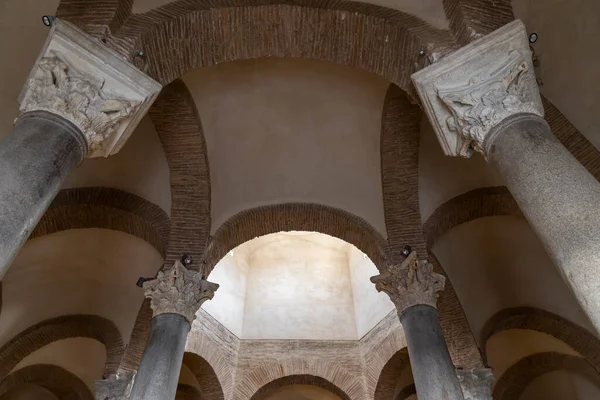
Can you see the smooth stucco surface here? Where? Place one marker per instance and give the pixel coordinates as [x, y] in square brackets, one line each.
[281, 130]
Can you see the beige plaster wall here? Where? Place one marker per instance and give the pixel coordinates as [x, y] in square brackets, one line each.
[301, 392]
[507, 347]
[229, 303]
[299, 289]
[441, 178]
[569, 40]
[28, 392]
[431, 11]
[370, 306]
[85, 271]
[281, 130]
[140, 168]
[561, 385]
[81, 356]
[498, 262]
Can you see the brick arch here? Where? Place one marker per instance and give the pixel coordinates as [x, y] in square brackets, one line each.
[62, 383]
[187, 34]
[388, 378]
[312, 380]
[535, 319]
[208, 380]
[260, 221]
[106, 208]
[64, 327]
[517, 377]
[262, 375]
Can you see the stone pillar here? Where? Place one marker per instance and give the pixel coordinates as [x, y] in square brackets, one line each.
[413, 288]
[476, 383]
[80, 100]
[176, 295]
[484, 97]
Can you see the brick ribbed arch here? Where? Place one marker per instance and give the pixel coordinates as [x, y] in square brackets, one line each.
[535, 319]
[312, 380]
[64, 327]
[205, 375]
[261, 221]
[386, 385]
[188, 34]
[106, 208]
[347, 385]
[517, 377]
[62, 383]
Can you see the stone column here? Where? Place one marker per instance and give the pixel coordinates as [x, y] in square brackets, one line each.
[176, 295]
[413, 288]
[80, 100]
[476, 383]
[484, 97]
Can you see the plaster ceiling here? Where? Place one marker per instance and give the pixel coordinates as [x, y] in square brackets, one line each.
[281, 130]
[297, 285]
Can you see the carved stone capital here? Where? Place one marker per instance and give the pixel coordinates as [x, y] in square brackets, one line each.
[411, 283]
[476, 384]
[88, 84]
[473, 89]
[115, 387]
[179, 290]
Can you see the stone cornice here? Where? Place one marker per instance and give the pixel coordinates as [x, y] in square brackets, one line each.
[85, 82]
[472, 90]
[412, 282]
[179, 290]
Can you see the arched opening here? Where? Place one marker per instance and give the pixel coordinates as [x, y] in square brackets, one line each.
[395, 380]
[297, 285]
[300, 387]
[198, 380]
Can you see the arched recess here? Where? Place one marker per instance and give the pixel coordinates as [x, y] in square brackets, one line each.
[406, 393]
[334, 374]
[106, 208]
[312, 380]
[515, 379]
[184, 35]
[208, 381]
[187, 392]
[63, 384]
[64, 327]
[390, 374]
[535, 319]
[261, 221]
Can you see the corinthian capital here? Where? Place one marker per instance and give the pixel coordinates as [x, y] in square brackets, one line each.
[115, 387]
[88, 84]
[411, 283]
[472, 90]
[476, 384]
[179, 290]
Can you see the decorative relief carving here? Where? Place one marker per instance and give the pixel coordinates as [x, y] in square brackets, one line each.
[411, 283]
[115, 387]
[488, 98]
[179, 290]
[476, 384]
[58, 87]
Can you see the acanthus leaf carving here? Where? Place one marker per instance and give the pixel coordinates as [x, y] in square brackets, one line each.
[57, 86]
[488, 98]
[412, 282]
[115, 387]
[179, 290]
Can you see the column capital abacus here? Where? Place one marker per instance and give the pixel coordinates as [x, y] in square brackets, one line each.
[179, 290]
[90, 85]
[115, 387]
[476, 384]
[473, 89]
[410, 283]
